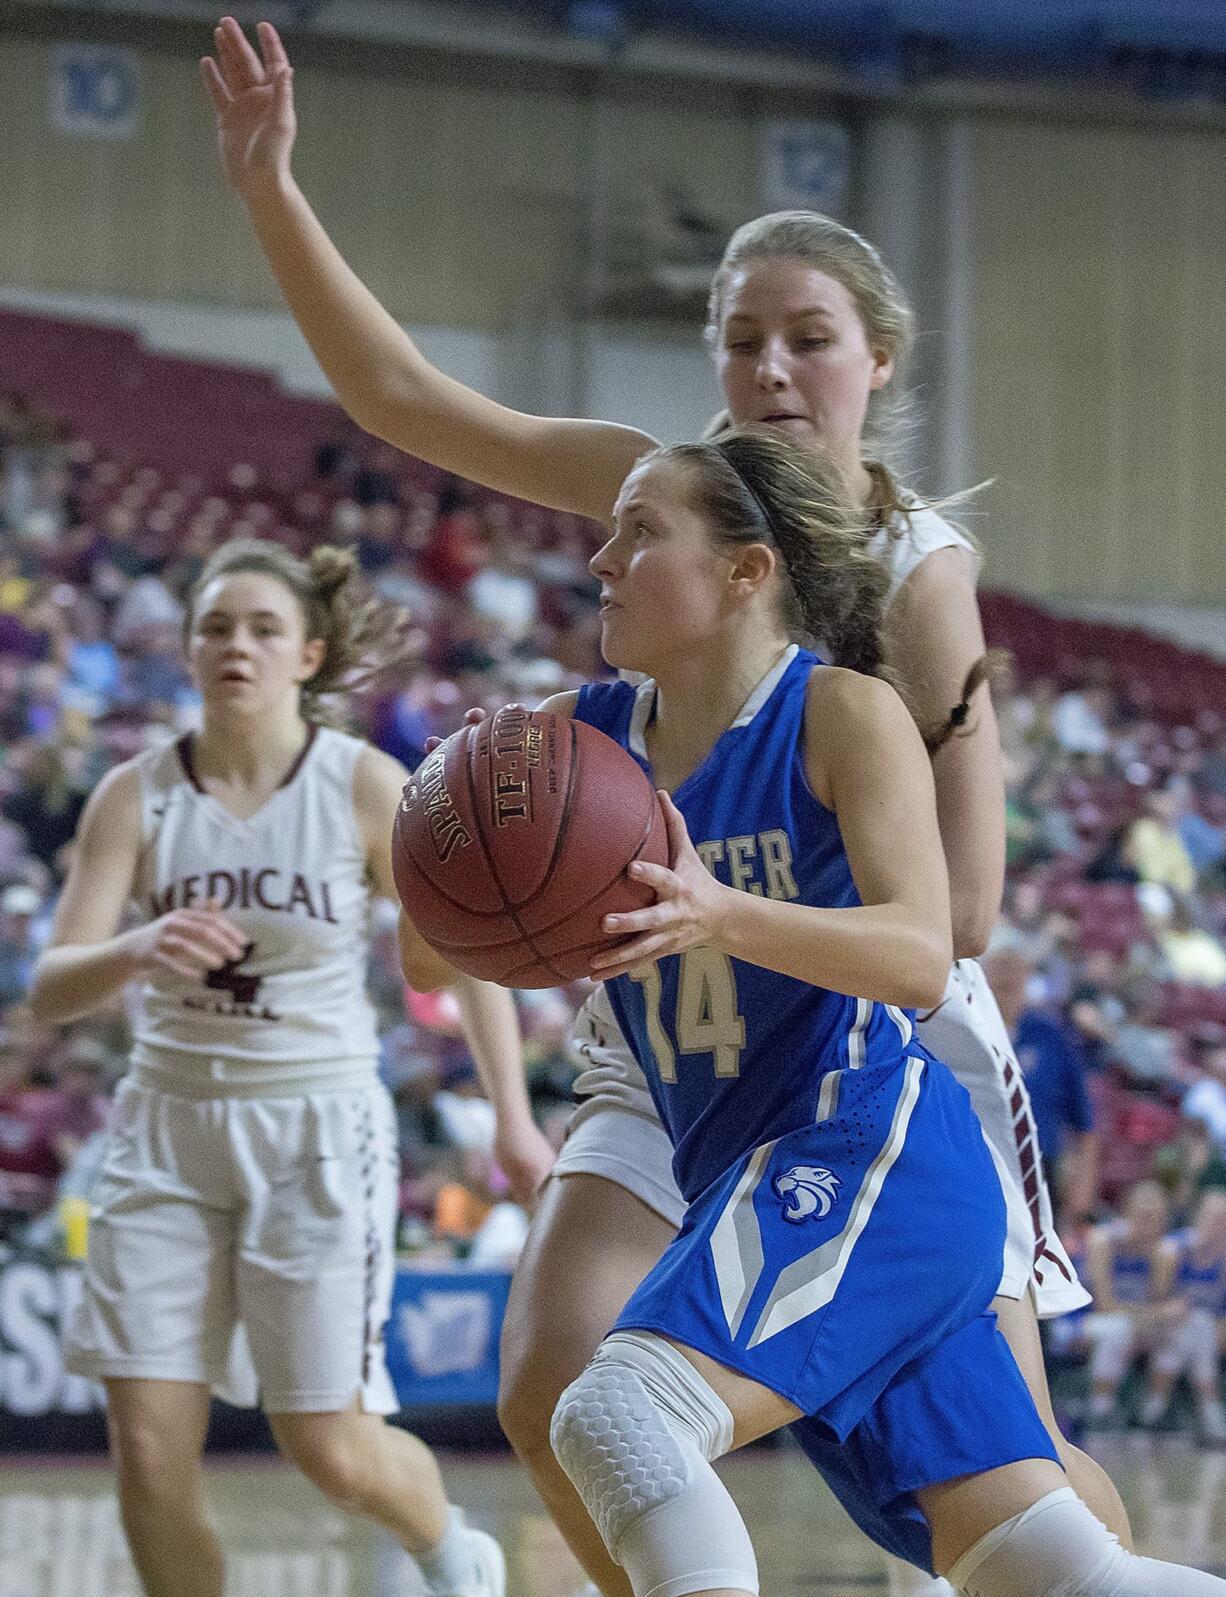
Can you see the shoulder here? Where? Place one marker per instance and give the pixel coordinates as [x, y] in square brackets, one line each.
[562, 703]
[849, 705]
[378, 779]
[119, 791]
[112, 818]
[919, 540]
[851, 722]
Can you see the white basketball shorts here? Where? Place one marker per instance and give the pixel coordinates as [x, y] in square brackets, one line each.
[616, 1133]
[247, 1244]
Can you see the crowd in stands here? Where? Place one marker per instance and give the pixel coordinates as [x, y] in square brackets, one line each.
[1109, 961]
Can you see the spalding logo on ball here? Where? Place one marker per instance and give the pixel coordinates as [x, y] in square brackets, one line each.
[511, 845]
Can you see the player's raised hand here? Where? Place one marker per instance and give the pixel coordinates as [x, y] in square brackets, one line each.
[253, 98]
[687, 911]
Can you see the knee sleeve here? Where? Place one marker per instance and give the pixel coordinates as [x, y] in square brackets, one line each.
[905, 1580]
[1056, 1548]
[1114, 1338]
[635, 1434]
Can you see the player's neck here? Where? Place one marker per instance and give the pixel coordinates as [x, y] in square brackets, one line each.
[244, 752]
[697, 700]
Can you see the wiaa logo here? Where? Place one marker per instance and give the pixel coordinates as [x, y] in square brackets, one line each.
[810, 1191]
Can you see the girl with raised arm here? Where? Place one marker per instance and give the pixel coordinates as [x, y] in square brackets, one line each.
[809, 330]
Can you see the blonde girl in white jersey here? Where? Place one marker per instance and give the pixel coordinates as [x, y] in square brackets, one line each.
[243, 1232]
[808, 328]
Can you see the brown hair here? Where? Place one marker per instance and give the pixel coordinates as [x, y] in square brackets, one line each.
[755, 485]
[884, 311]
[361, 635]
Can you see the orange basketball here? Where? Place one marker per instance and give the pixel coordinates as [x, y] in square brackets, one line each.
[512, 841]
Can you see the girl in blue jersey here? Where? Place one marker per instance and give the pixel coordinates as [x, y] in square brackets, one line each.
[810, 333]
[844, 1228]
[1194, 1260]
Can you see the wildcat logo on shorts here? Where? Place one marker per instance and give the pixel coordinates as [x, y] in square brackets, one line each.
[809, 1191]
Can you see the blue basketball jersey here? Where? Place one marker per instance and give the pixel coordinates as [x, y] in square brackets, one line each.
[1200, 1278]
[736, 1054]
[1132, 1268]
[845, 1228]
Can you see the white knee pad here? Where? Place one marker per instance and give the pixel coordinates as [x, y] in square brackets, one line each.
[905, 1580]
[1058, 1549]
[636, 1433]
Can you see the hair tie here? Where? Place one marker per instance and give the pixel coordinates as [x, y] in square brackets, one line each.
[959, 713]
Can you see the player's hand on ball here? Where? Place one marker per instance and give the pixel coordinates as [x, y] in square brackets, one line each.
[473, 717]
[253, 99]
[688, 909]
[187, 942]
[525, 1156]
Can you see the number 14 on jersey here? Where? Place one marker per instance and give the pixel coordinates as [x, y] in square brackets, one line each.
[707, 1019]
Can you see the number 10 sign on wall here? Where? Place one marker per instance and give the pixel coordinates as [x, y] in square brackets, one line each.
[805, 166]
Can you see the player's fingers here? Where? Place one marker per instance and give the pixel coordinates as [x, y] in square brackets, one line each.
[183, 958]
[627, 955]
[214, 924]
[631, 960]
[178, 967]
[432, 744]
[198, 946]
[244, 69]
[667, 884]
[476, 715]
[635, 921]
[678, 832]
[215, 84]
[271, 47]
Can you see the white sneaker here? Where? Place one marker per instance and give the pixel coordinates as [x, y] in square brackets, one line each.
[490, 1563]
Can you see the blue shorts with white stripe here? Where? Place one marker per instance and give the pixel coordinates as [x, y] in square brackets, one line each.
[826, 1263]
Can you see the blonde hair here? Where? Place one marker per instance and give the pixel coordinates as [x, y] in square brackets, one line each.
[361, 635]
[883, 308]
[755, 485]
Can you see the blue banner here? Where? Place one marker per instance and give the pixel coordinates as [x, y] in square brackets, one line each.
[442, 1335]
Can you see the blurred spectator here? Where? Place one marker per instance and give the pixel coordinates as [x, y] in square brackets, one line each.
[1192, 953]
[1191, 1347]
[1156, 850]
[1131, 1265]
[19, 903]
[1188, 1167]
[1079, 721]
[1054, 1068]
[42, 1129]
[1206, 1100]
[48, 803]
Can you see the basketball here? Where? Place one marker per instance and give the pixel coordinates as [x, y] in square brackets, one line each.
[511, 845]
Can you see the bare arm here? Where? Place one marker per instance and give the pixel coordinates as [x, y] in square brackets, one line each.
[380, 376]
[867, 763]
[1100, 1258]
[86, 962]
[487, 1013]
[933, 636]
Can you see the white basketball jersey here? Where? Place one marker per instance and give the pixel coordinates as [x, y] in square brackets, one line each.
[293, 1011]
[910, 539]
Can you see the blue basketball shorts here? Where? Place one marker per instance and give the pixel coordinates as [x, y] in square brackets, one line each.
[848, 1266]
